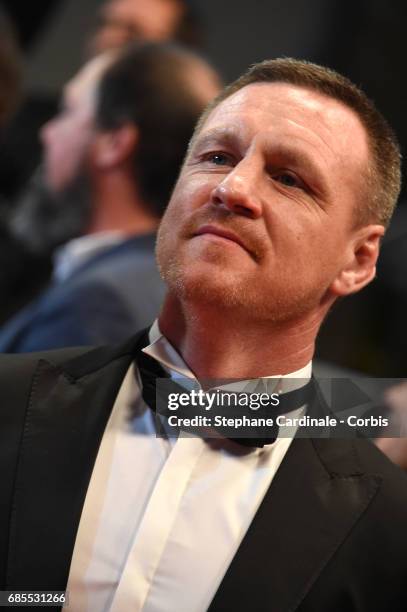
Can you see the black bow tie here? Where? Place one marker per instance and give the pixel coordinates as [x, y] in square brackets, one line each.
[150, 370]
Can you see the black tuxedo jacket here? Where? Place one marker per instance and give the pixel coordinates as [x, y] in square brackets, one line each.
[329, 536]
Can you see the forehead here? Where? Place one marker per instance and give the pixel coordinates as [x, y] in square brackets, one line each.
[287, 112]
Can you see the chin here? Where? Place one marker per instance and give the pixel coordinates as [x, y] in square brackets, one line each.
[200, 283]
[215, 289]
[238, 294]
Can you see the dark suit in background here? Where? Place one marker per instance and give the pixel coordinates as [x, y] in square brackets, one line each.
[104, 301]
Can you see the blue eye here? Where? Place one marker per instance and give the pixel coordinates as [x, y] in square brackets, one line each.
[288, 180]
[218, 159]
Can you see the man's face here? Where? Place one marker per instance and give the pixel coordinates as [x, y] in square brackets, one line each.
[56, 205]
[66, 138]
[262, 216]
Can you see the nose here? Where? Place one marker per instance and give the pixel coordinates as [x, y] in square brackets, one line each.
[238, 191]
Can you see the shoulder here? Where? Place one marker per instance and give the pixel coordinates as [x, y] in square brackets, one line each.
[128, 280]
[370, 565]
[86, 299]
[75, 361]
[385, 516]
[377, 480]
[23, 365]
[393, 480]
[17, 374]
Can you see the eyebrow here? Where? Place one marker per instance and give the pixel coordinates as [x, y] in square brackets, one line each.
[223, 135]
[292, 154]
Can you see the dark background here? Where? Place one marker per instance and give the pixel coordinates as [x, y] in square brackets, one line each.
[364, 39]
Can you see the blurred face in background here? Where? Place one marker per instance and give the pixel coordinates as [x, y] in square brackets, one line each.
[66, 138]
[56, 205]
[125, 20]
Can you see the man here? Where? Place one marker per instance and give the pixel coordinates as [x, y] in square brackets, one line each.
[112, 156]
[284, 195]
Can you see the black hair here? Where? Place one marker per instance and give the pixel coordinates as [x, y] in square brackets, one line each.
[147, 85]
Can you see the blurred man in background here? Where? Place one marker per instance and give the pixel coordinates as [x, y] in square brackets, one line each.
[111, 158]
[117, 23]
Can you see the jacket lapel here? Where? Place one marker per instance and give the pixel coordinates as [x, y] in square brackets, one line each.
[316, 497]
[67, 413]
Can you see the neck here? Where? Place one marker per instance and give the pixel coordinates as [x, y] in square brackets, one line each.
[117, 206]
[237, 348]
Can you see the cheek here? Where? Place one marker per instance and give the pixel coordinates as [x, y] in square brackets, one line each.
[59, 162]
[69, 156]
[297, 228]
[192, 192]
[188, 196]
[67, 141]
[65, 154]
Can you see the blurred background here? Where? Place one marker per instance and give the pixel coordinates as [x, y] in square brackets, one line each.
[363, 39]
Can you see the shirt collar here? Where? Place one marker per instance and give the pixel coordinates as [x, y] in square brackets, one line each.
[161, 350]
[69, 257]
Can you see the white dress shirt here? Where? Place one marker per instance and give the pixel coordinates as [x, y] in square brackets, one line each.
[163, 519]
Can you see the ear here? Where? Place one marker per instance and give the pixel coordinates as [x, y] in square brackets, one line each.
[113, 148]
[361, 266]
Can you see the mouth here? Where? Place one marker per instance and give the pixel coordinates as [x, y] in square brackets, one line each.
[222, 233]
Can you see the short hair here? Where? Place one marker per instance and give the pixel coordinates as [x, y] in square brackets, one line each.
[383, 174]
[148, 85]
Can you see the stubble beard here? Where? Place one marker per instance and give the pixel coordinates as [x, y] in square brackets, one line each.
[212, 285]
[211, 279]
